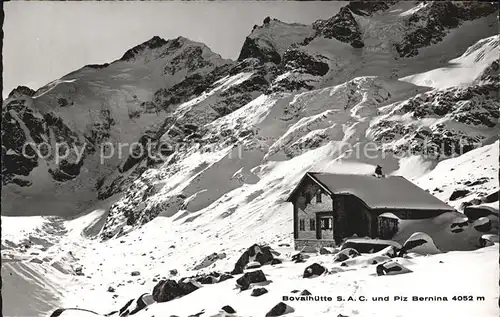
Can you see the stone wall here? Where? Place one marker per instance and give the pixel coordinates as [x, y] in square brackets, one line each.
[312, 245]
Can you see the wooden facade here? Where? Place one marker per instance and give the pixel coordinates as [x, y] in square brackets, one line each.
[323, 218]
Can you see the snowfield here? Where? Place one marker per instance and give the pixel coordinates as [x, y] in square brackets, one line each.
[390, 84]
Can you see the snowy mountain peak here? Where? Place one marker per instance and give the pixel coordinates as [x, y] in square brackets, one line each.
[269, 41]
[154, 42]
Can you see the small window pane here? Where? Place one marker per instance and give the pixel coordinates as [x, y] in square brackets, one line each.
[312, 224]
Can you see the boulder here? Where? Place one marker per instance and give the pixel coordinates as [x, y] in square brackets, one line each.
[390, 251]
[256, 253]
[249, 278]
[491, 197]
[369, 245]
[166, 290]
[276, 261]
[482, 224]
[258, 291]
[207, 279]
[279, 310]
[142, 302]
[188, 286]
[225, 277]
[324, 250]
[478, 211]
[314, 270]
[298, 258]
[391, 268]
[134, 306]
[420, 243]
[487, 240]
[209, 260]
[459, 193]
[197, 314]
[345, 254]
[79, 271]
[459, 224]
[228, 309]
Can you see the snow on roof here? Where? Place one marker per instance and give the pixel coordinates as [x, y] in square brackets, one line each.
[395, 192]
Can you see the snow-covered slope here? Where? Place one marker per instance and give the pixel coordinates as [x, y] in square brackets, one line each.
[411, 86]
[461, 70]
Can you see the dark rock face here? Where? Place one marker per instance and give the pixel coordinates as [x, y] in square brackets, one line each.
[313, 270]
[491, 74]
[193, 85]
[257, 253]
[154, 42]
[432, 23]
[476, 106]
[306, 71]
[249, 278]
[367, 8]
[459, 193]
[298, 60]
[14, 139]
[259, 291]
[20, 157]
[97, 66]
[193, 60]
[251, 49]
[279, 310]
[342, 27]
[21, 91]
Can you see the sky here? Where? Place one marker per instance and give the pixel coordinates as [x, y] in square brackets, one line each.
[43, 41]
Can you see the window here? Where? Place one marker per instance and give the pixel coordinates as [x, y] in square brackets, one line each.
[326, 223]
[312, 224]
[302, 225]
[318, 197]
